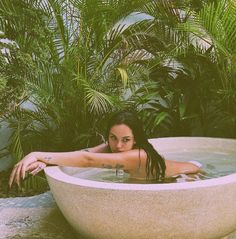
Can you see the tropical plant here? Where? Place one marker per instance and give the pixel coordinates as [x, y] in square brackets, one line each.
[161, 104]
[83, 70]
[12, 80]
[213, 30]
[176, 65]
[193, 56]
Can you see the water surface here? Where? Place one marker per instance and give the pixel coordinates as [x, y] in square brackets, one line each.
[215, 164]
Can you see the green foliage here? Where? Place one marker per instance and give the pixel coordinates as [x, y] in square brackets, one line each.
[215, 28]
[84, 79]
[15, 67]
[74, 62]
[194, 65]
[3, 84]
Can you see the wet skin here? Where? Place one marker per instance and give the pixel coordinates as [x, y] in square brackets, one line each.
[124, 156]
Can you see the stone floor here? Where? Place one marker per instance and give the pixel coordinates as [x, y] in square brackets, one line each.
[37, 217]
[33, 217]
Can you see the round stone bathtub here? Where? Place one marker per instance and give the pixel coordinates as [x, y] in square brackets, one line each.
[103, 210]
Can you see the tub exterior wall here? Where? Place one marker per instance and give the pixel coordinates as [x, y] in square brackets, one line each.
[198, 213]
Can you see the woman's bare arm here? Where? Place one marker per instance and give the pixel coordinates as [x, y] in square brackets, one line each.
[96, 157]
[128, 160]
[174, 168]
[30, 162]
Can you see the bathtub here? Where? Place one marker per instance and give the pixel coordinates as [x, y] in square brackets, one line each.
[100, 210]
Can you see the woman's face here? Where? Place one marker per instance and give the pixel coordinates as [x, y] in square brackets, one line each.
[121, 138]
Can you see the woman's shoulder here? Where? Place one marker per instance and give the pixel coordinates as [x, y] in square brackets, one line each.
[176, 167]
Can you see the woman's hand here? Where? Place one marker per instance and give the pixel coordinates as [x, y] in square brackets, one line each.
[19, 170]
[36, 167]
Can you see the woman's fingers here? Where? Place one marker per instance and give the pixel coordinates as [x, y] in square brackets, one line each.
[36, 167]
[31, 167]
[12, 176]
[29, 159]
[23, 170]
[18, 174]
[15, 174]
[37, 170]
[27, 164]
[20, 169]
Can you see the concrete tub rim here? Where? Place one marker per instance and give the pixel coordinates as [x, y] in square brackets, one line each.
[56, 172]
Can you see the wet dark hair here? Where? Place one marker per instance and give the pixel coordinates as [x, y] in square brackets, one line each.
[155, 162]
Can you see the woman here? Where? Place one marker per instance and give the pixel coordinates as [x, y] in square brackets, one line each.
[126, 148]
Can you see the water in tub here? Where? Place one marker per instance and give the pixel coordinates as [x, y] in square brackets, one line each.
[214, 164]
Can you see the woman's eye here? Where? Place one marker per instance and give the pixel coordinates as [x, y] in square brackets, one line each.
[126, 140]
[112, 137]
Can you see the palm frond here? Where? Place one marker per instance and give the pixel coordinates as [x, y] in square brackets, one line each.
[97, 101]
[16, 144]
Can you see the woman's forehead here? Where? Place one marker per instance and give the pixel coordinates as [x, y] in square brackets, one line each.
[121, 130]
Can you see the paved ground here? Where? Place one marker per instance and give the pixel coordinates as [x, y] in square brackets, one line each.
[37, 217]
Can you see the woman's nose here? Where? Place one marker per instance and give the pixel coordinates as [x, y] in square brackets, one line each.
[119, 144]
